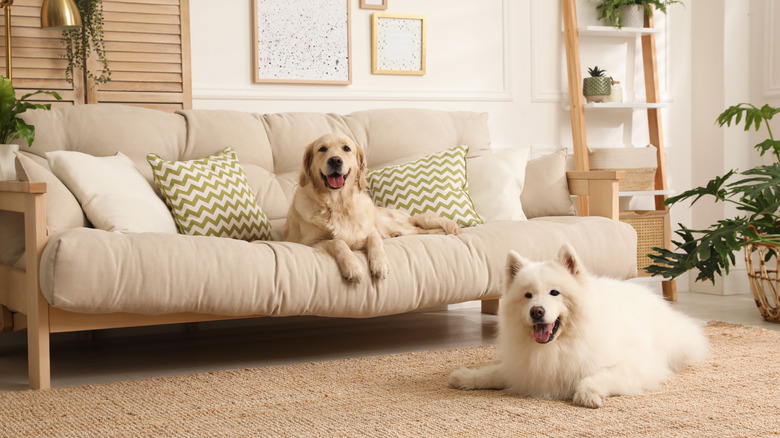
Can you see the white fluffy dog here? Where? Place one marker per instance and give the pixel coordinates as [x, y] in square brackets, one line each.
[564, 334]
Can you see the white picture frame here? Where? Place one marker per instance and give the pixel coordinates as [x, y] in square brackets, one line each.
[373, 4]
[302, 42]
[397, 44]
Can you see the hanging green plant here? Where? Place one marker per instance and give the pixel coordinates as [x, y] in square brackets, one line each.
[81, 41]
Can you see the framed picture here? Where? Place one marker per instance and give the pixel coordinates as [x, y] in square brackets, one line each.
[373, 4]
[397, 44]
[302, 42]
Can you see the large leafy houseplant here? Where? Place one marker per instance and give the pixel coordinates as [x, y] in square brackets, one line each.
[609, 10]
[755, 193]
[80, 42]
[11, 126]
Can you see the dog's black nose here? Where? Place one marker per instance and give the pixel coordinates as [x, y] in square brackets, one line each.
[537, 312]
[335, 162]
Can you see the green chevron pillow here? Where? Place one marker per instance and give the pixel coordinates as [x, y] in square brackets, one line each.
[434, 183]
[211, 197]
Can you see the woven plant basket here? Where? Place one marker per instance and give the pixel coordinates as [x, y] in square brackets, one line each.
[764, 279]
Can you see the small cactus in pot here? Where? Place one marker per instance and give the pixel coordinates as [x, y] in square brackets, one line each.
[597, 87]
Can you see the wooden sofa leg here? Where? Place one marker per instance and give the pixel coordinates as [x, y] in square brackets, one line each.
[670, 290]
[38, 358]
[490, 306]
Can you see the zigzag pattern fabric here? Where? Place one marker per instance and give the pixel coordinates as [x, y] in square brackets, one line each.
[211, 196]
[434, 183]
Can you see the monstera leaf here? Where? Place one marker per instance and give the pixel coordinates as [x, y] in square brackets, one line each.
[754, 192]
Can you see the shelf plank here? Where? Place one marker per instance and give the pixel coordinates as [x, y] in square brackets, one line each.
[621, 105]
[646, 193]
[609, 31]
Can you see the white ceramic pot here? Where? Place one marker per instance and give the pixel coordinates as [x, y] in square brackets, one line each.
[633, 15]
[7, 161]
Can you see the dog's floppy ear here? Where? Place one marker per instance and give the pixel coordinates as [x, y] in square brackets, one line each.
[568, 258]
[361, 171]
[514, 263]
[305, 174]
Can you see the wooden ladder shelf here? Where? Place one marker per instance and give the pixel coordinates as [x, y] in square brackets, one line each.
[578, 128]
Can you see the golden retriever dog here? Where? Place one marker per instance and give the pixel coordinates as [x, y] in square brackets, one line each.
[332, 211]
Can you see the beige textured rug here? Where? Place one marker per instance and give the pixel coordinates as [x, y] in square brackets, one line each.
[735, 393]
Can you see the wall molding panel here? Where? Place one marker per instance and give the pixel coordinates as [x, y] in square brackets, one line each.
[440, 82]
[772, 51]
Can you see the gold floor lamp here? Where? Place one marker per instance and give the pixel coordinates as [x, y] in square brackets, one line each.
[55, 14]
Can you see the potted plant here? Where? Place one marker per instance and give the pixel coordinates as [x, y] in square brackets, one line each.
[80, 42]
[630, 13]
[756, 194]
[597, 87]
[12, 127]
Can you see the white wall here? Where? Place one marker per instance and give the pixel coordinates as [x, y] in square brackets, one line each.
[500, 56]
[504, 57]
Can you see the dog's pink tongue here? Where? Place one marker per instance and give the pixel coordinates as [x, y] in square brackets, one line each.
[542, 332]
[335, 181]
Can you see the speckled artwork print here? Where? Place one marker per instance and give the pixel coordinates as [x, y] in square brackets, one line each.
[306, 40]
[399, 44]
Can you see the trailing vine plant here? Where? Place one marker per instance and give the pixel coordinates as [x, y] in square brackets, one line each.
[81, 41]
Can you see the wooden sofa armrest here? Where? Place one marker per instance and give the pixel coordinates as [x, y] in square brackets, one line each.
[24, 294]
[21, 186]
[601, 188]
[27, 199]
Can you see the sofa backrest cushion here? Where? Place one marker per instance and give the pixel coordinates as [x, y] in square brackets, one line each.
[105, 129]
[269, 146]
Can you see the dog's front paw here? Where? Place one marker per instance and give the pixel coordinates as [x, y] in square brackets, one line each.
[353, 272]
[462, 378]
[451, 227]
[379, 266]
[587, 398]
[353, 276]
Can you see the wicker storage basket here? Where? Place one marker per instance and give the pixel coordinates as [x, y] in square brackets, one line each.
[650, 229]
[639, 163]
[764, 281]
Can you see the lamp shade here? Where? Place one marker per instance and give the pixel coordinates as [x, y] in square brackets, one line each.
[59, 14]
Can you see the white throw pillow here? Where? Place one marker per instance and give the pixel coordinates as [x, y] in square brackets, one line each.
[496, 182]
[112, 193]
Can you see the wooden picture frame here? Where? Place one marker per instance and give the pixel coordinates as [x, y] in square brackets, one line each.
[373, 4]
[397, 44]
[302, 42]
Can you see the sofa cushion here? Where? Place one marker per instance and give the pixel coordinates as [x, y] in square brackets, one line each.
[495, 183]
[436, 183]
[104, 129]
[546, 189]
[399, 135]
[210, 196]
[62, 209]
[161, 273]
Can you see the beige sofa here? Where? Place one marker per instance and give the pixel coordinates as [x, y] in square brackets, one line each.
[64, 275]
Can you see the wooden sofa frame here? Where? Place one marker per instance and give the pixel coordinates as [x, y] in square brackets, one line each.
[20, 289]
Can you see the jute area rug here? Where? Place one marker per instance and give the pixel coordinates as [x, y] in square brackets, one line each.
[735, 393]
